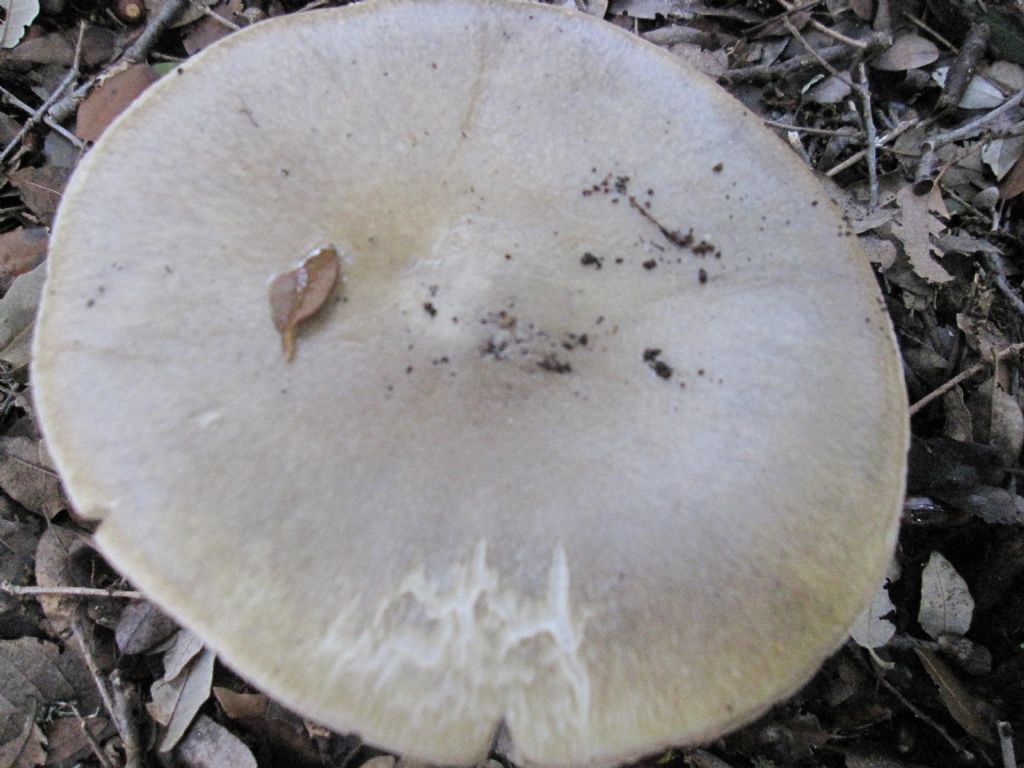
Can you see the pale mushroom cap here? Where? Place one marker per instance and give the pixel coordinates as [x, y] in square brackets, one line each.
[427, 524]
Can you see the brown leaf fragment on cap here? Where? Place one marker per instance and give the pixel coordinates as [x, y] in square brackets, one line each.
[299, 293]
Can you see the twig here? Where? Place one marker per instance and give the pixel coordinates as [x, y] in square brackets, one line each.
[995, 265]
[962, 69]
[117, 594]
[39, 114]
[790, 11]
[850, 132]
[126, 699]
[963, 376]
[116, 704]
[919, 23]
[791, 28]
[97, 750]
[974, 127]
[923, 717]
[169, 11]
[1005, 731]
[871, 148]
[48, 120]
[856, 157]
[825, 30]
[215, 16]
[760, 73]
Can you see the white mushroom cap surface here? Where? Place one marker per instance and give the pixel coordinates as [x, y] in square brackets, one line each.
[542, 459]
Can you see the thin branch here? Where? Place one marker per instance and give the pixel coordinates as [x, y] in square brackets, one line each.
[994, 264]
[850, 132]
[169, 11]
[48, 120]
[924, 717]
[1005, 731]
[38, 115]
[97, 750]
[871, 148]
[84, 592]
[825, 30]
[117, 703]
[856, 157]
[760, 73]
[919, 23]
[963, 376]
[974, 127]
[206, 11]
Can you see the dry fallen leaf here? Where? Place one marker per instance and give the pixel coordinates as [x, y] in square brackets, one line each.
[998, 421]
[210, 745]
[18, 15]
[297, 294]
[907, 52]
[870, 630]
[1002, 154]
[56, 555]
[1013, 183]
[178, 696]
[946, 603]
[66, 739]
[110, 99]
[958, 424]
[142, 626]
[241, 706]
[35, 673]
[23, 249]
[17, 317]
[916, 226]
[965, 708]
[27, 749]
[40, 189]
[25, 478]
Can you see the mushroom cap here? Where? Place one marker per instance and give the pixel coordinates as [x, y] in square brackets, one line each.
[547, 458]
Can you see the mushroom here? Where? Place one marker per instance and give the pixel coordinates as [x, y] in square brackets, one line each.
[600, 435]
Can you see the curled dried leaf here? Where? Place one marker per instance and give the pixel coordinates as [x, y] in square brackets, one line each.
[298, 294]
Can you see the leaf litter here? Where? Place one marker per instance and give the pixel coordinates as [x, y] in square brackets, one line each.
[936, 201]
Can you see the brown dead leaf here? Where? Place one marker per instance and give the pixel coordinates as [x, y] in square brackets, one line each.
[25, 478]
[871, 630]
[40, 189]
[176, 699]
[207, 30]
[241, 706]
[907, 52]
[210, 745]
[35, 673]
[53, 569]
[916, 226]
[958, 424]
[969, 711]
[110, 99]
[998, 421]
[299, 293]
[946, 603]
[27, 749]
[142, 626]
[58, 48]
[66, 739]
[18, 315]
[23, 249]
[1013, 183]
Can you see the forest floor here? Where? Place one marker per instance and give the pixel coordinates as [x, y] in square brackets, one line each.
[909, 111]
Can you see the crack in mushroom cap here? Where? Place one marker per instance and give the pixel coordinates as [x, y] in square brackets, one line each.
[548, 458]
